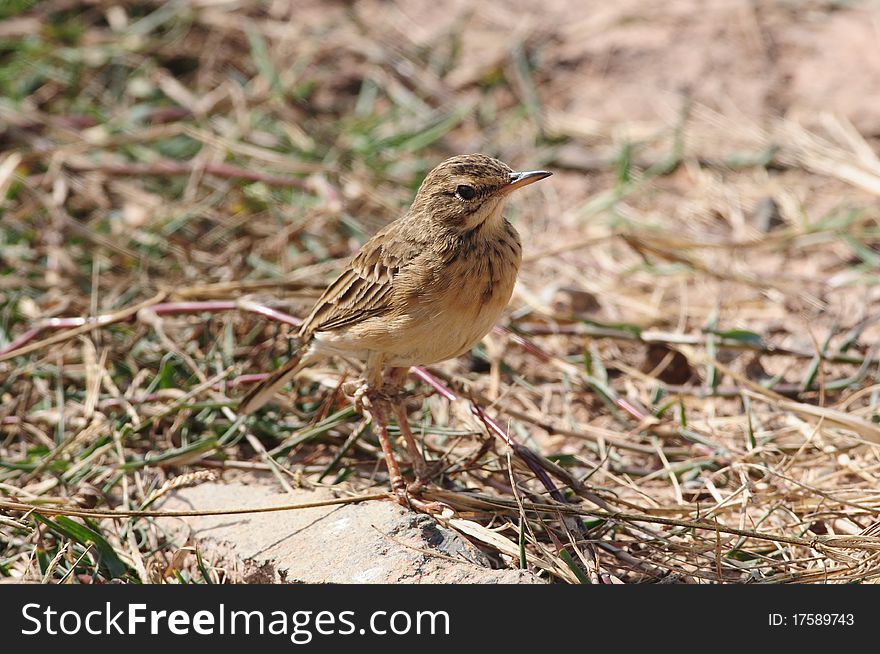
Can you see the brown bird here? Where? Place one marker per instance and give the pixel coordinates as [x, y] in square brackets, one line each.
[425, 288]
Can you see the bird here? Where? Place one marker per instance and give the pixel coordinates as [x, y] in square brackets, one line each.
[426, 288]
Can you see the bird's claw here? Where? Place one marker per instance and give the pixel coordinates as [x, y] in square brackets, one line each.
[408, 497]
[365, 397]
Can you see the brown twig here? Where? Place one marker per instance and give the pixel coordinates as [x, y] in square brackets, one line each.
[168, 168]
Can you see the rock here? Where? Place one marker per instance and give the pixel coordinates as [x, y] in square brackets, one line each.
[371, 542]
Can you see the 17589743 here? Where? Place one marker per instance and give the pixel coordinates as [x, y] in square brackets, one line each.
[811, 620]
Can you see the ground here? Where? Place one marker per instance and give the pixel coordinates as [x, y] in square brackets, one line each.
[689, 362]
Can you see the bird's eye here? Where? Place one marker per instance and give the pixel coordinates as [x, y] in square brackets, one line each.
[465, 192]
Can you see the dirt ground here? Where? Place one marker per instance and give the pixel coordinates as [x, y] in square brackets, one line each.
[631, 61]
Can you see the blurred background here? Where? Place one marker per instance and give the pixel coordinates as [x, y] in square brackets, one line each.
[707, 250]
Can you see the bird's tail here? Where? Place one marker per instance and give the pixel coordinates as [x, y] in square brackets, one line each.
[266, 389]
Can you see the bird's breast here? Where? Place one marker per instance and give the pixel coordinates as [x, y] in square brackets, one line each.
[443, 305]
[464, 298]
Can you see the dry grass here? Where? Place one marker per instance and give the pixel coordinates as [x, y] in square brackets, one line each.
[691, 347]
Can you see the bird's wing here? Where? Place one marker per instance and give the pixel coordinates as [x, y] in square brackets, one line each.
[364, 289]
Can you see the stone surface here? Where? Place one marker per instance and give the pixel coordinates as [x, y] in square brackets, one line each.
[370, 542]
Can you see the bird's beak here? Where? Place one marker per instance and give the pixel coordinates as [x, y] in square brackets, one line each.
[518, 180]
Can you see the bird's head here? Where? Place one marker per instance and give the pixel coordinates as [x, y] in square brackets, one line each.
[468, 191]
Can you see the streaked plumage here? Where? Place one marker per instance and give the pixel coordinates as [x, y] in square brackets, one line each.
[425, 288]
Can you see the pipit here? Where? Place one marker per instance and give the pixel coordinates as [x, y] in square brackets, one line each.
[426, 288]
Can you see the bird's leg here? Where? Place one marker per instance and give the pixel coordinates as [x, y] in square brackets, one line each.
[367, 395]
[375, 398]
[404, 495]
[420, 467]
[398, 486]
[396, 379]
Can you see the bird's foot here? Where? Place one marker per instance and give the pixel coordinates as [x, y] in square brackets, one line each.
[365, 397]
[375, 402]
[356, 390]
[408, 495]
